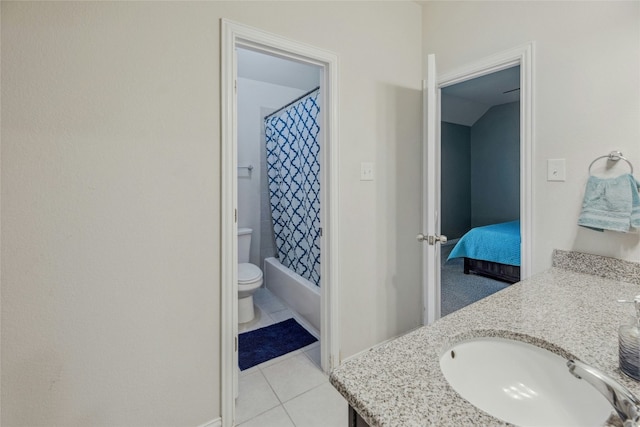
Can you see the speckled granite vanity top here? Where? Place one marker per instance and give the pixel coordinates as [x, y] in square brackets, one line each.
[563, 310]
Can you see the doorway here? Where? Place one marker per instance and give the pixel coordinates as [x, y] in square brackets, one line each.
[279, 173]
[236, 37]
[522, 57]
[480, 185]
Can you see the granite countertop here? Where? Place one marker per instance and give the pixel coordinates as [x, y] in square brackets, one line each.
[574, 314]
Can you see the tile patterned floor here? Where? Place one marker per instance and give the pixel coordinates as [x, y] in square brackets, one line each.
[291, 390]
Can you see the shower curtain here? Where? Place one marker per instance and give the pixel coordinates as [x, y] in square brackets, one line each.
[293, 169]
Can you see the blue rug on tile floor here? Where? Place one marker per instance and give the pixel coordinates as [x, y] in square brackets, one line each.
[270, 342]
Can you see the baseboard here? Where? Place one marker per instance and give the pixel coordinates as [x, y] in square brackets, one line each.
[213, 423]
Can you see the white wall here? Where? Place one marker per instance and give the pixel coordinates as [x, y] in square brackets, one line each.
[253, 97]
[111, 189]
[110, 200]
[587, 97]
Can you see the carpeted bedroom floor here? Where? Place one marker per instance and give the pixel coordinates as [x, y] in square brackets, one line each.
[458, 289]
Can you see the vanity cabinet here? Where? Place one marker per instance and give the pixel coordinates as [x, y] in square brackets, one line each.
[355, 420]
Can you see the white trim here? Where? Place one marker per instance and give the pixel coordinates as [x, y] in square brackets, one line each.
[228, 227]
[524, 56]
[213, 423]
[234, 35]
[490, 64]
[527, 153]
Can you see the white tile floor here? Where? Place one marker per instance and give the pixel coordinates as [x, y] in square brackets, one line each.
[291, 390]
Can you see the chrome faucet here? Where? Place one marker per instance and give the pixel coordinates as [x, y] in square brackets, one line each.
[626, 404]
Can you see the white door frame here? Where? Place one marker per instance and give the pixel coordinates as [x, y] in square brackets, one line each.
[235, 35]
[524, 56]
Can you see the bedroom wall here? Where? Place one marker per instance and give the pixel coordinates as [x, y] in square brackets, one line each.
[586, 98]
[455, 153]
[111, 198]
[495, 166]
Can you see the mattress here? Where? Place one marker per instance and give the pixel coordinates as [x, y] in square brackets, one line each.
[496, 243]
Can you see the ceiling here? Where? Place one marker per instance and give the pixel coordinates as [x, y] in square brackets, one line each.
[272, 69]
[464, 103]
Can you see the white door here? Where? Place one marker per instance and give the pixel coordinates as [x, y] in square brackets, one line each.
[430, 235]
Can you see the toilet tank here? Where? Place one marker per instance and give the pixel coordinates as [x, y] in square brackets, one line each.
[244, 244]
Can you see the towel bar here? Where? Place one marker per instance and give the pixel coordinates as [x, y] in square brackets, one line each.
[614, 156]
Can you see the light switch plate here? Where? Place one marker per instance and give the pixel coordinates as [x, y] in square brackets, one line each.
[366, 171]
[556, 170]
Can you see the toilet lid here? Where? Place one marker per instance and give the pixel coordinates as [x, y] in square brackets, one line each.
[248, 273]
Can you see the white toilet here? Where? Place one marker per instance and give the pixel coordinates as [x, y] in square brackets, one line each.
[249, 277]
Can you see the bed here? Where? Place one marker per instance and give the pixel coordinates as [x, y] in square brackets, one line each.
[492, 251]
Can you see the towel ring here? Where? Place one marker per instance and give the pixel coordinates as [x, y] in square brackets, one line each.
[614, 156]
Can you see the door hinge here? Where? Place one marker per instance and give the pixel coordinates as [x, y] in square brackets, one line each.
[320, 231]
[236, 344]
[235, 86]
[235, 215]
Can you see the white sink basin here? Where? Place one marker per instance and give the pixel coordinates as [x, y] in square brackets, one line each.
[522, 384]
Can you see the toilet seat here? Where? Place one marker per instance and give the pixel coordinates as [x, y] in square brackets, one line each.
[248, 273]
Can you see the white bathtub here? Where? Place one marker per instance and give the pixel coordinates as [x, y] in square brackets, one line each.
[302, 296]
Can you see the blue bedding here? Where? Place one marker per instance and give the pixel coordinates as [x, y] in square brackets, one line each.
[496, 243]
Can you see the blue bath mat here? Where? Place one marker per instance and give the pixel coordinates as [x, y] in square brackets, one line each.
[255, 347]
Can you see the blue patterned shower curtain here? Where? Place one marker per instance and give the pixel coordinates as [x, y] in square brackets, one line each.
[293, 169]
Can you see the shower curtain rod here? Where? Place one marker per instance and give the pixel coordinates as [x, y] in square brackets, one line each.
[292, 102]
